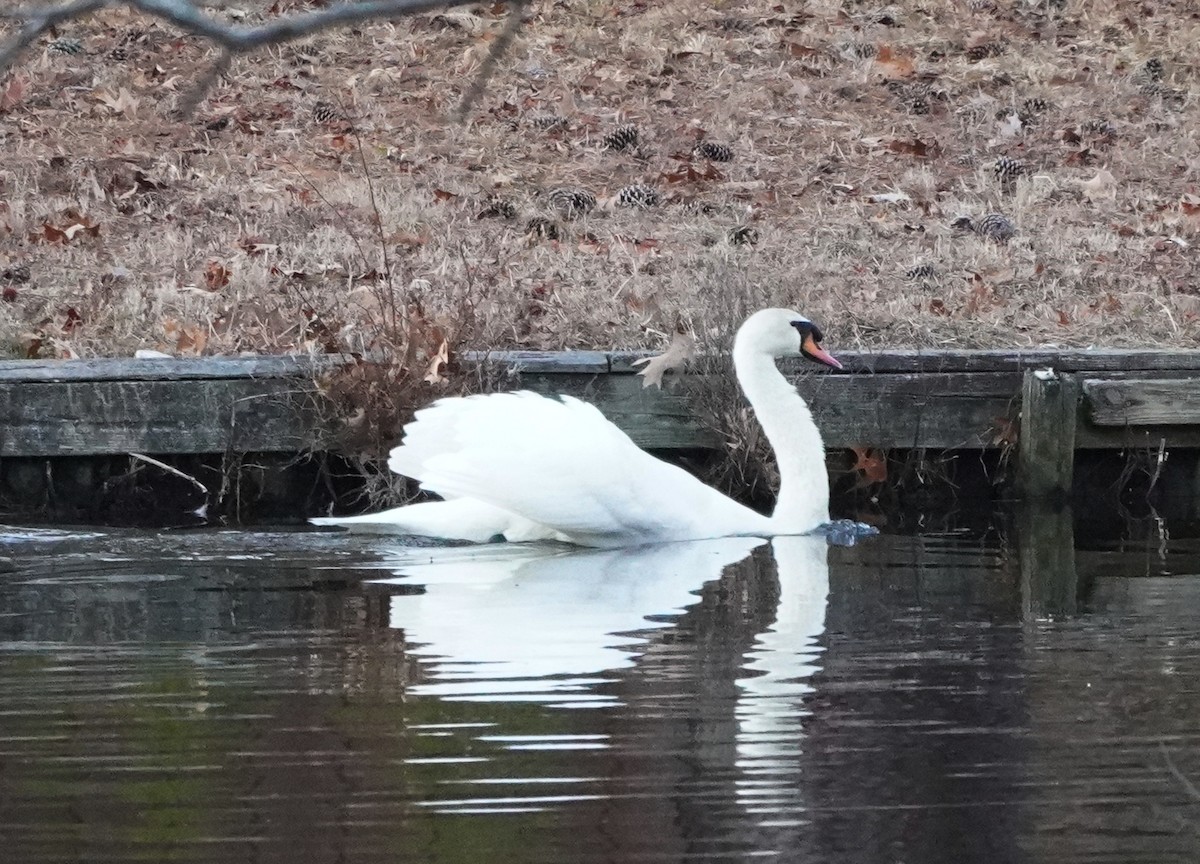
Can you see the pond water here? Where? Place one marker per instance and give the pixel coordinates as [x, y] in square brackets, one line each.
[300, 696]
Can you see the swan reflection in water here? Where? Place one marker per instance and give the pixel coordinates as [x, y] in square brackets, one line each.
[548, 624]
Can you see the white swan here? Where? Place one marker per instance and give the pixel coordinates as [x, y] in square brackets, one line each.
[530, 467]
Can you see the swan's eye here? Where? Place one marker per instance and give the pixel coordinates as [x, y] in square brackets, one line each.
[807, 328]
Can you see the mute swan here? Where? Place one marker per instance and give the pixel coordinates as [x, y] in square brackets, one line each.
[530, 467]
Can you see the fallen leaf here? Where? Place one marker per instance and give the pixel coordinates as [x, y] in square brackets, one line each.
[912, 147]
[216, 276]
[48, 234]
[1190, 204]
[122, 103]
[1004, 432]
[11, 96]
[443, 195]
[31, 344]
[871, 464]
[681, 350]
[893, 66]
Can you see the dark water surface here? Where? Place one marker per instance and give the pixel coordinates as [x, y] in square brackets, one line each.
[247, 697]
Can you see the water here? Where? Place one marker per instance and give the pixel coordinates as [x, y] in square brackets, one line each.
[246, 697]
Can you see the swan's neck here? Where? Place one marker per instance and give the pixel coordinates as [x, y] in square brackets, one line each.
[803, 501]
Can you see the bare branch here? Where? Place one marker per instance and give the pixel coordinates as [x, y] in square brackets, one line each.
[185, 15]
[38, 21]
[239, 40]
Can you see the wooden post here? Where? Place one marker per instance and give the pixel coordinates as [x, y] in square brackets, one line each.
[1046, 551]
[1049, 407]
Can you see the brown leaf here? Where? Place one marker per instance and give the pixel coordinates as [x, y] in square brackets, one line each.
[31, 344]
[938, 307]
[48, 234]
[681, 350]
[216, 276]
[871, 464]
[443, 195]
[1004, 432]
[74, 319]
[893, 66]
[11, 96]
[912, 147]
[1190, 204]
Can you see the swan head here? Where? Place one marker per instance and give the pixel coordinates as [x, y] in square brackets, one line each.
[784, 333]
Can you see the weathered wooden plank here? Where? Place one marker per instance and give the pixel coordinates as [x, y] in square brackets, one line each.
[1065, 360]
[1143, 402]
[654, 419]
[544, 362]
[189, 369]
[1046, 448]
[965, 410]
[99, 417]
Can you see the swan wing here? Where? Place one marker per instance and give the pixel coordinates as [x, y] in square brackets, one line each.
[561, 463]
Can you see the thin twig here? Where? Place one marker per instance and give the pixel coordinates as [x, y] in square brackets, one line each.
[170, 470]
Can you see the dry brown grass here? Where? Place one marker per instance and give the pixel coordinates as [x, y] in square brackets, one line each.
[251, 227]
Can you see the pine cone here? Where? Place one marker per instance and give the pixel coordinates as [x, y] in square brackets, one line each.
[17, 273]
[540, 226]
[622, 138]
[1098, 126]
[1034, 105]
[326, 112]
[66, 46]
[921, 273]
[713, 152]
[1152, 70]
[743, 235]
[497, 208]
[638, 195]
[547, 122]
[991, 227]
[860, 50]
[1007, 170]
[570, 202]
[975, 53]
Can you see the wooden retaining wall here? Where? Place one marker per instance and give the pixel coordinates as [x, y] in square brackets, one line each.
[942, 400]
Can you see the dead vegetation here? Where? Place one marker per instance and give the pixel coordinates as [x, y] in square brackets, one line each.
[629, 165]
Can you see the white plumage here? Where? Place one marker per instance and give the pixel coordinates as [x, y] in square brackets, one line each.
[529, 467]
